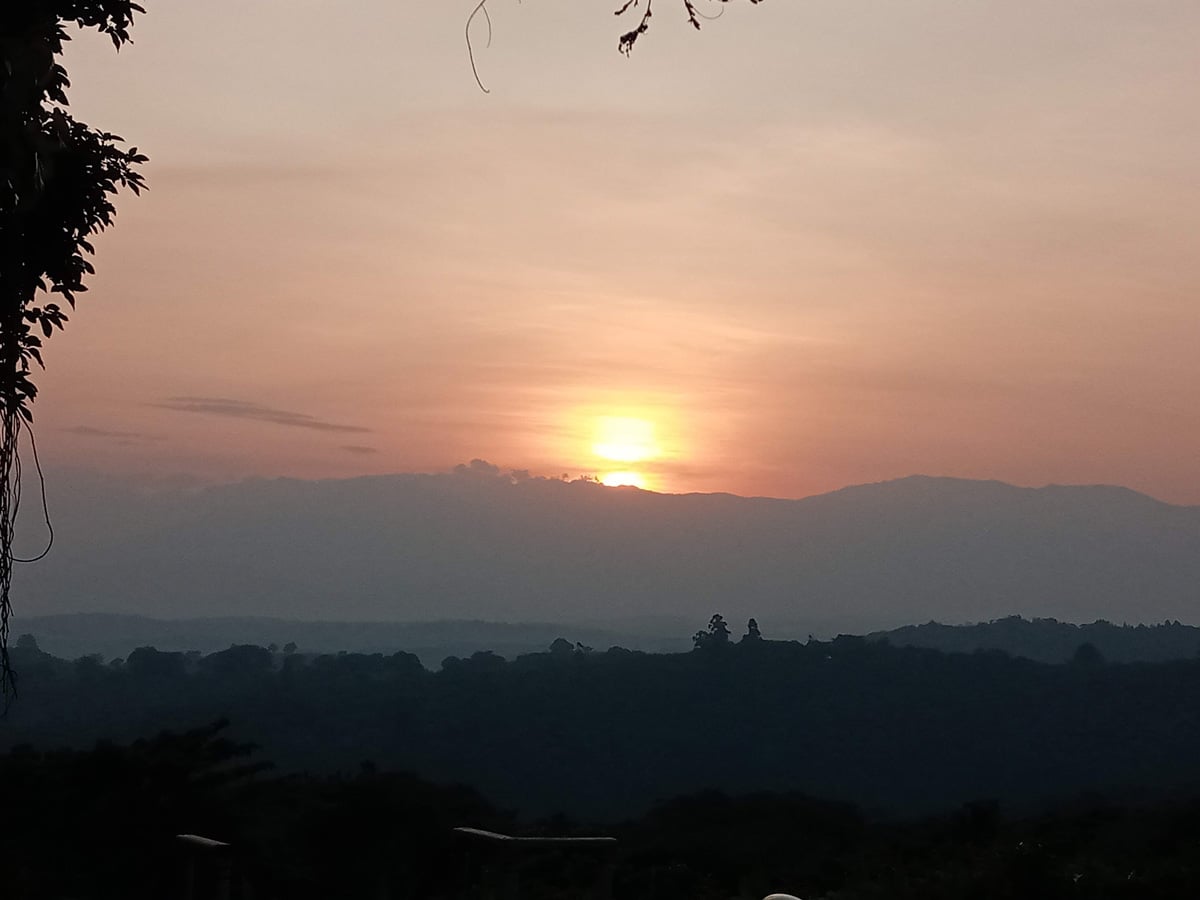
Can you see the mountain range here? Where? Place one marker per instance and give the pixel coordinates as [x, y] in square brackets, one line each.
[478, 544]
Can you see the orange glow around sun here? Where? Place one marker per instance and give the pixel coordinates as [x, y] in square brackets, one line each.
[623, 441]
[626, 440]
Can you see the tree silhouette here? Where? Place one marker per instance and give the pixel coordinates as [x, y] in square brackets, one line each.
[717, 634]
[57, 179]
[1087, 655]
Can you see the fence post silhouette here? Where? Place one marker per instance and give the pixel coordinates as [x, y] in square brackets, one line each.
[509, 846]
[208, 863]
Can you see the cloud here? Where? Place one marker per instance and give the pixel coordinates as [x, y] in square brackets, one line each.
[358, 448]
[242, 409]
[122, 436]
[478, 468]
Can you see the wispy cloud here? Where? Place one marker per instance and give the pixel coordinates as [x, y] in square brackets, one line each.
[109, 434]
[243, 409]
[358, 448]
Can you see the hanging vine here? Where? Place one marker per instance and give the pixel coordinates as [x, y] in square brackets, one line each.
[625, 43]
[57, 181]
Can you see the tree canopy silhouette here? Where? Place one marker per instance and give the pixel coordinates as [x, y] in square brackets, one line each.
[717, 634]
[57, 181]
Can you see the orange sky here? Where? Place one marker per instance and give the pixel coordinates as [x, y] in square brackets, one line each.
[817, 243]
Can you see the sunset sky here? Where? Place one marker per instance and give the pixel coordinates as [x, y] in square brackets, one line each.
[819, 242]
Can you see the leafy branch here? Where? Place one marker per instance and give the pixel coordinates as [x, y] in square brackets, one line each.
[58, 178]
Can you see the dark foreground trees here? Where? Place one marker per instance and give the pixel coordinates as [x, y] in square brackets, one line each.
[102, 823]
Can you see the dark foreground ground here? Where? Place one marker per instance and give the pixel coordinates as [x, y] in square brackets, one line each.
[102, 823]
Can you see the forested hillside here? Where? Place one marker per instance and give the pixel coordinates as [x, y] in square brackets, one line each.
[606, 734]
[1048, 640]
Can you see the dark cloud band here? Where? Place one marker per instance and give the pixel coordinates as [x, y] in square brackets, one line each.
[109, 434]
[242, 409]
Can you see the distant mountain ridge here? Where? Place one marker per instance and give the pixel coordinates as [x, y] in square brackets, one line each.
[486, 546]
[113, 636]
[1051, 641]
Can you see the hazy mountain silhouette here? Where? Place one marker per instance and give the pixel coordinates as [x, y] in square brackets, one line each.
[1051, 641]
[481, 545]
[72, 635]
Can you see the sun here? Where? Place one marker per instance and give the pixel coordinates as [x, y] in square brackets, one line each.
[625, 439]
[624, 479]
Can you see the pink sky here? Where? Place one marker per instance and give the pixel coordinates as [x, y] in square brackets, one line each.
[816, 243]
